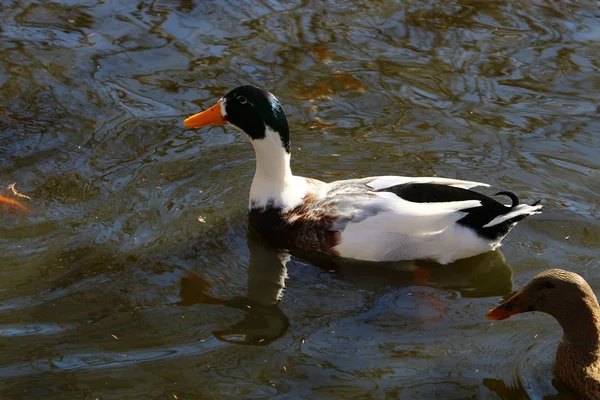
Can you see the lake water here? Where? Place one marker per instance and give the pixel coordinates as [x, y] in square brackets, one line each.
[134, 275]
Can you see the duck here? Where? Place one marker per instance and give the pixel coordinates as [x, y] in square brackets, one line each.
[381, 218]
[570, 300]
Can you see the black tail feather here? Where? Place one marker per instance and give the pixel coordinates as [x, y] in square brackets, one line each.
[535, 203]
[513, 197]
[475, 218]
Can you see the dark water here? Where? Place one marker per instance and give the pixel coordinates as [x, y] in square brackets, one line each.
[134, 271]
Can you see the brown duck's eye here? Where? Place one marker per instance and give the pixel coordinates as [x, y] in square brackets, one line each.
[549, 285]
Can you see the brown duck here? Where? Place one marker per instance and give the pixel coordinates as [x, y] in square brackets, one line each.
[568, 298]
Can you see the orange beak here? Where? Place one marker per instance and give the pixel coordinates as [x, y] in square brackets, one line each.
[515, 305]
[212, 116]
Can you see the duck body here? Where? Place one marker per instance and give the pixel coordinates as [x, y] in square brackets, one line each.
[386, 218]
[570, 300]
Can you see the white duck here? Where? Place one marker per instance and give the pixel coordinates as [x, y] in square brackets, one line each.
[384, 218]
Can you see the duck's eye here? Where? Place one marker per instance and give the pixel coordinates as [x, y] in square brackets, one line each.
[549, 285]
[242, 100]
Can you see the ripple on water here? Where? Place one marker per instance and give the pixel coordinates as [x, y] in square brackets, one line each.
[129, 207]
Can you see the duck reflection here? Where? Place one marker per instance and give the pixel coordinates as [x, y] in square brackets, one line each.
[484, 275]
[264, 321]
[516, 390]
[480, 276]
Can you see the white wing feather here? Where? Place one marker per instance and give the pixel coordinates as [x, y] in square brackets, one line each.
[405, 230]
[382, 182]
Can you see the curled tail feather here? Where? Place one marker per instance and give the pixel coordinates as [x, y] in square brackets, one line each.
[513, 197]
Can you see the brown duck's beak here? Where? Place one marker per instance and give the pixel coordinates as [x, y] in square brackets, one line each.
[212, 116]
[515, 305]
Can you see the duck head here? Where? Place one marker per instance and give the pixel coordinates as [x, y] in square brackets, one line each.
[259, 114]
[253, 110]
[564, 295]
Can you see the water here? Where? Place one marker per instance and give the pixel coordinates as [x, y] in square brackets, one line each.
[134, 275]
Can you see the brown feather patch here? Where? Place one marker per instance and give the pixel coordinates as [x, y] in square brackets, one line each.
[308, 226]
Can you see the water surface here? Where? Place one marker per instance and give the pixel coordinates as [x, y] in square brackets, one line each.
[134, 275]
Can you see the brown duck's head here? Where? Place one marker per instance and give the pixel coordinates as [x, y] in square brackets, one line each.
[559, 293]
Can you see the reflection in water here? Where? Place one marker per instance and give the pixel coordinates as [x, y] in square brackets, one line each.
[264, 320]
[484, 275]
[480, 276]
[505, 391]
